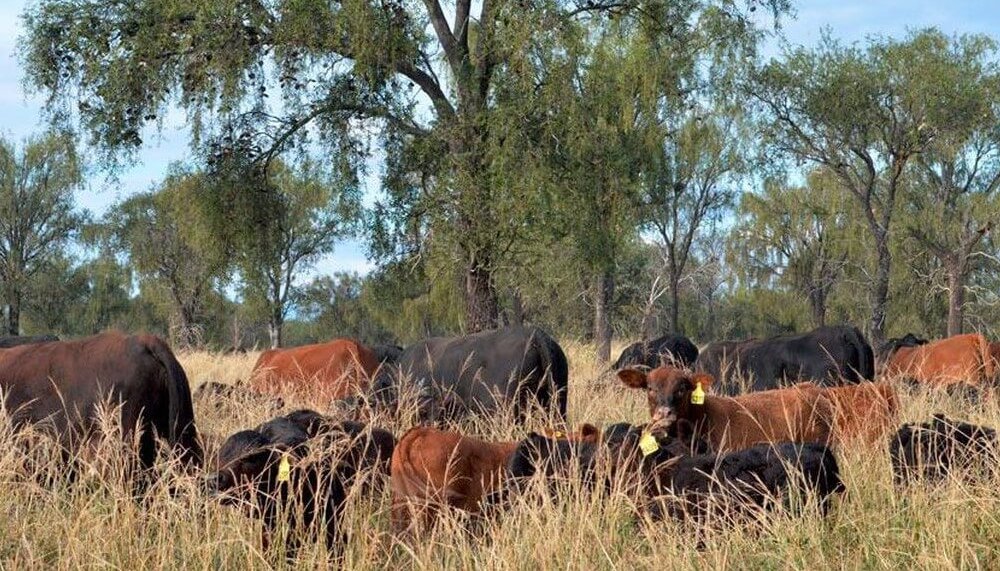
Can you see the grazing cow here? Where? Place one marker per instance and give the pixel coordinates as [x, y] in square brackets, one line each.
[802, 413]
[301, 465]
[826, 355]
[62, 385]
[8, 341]
[962, 359]
[941, 447]
[689, 486]
[218, 394]
[485, 372]
[320, 372]
[667, 350]
[387, 354]
[433, 469]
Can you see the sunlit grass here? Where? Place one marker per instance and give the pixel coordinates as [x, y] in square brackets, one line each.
[49, 522]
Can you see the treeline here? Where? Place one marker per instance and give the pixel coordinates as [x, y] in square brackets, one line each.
[599, 169]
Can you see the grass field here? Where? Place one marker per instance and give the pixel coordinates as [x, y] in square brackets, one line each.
[48, 523]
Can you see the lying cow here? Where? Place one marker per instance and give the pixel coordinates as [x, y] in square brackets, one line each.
[433, 469]
[62, 385]
[830, 355]
[671, 349]
[319, 373]
[937, 449]
[691, 486]
[612, 457]
[803, 413]
[512, 369]
[299, 464]
[962, 359]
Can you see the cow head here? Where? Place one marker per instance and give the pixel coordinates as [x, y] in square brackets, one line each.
[250, 468]
[892, 345]
[669, 393]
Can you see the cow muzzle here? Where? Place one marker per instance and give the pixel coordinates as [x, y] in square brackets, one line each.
[662, 420]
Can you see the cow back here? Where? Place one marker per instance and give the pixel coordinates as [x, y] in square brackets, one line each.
[63, 384]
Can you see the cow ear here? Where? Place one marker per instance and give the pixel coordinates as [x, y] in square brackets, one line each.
[589, 432]
[704, 379]
[633, 378]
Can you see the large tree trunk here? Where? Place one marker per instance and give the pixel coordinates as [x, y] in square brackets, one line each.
[482, 310]
[956, 298]
[14, 314]
[880, 288]
[604, 291]
[274, 328]
[12, 325]
[817, 302]
[675, 302]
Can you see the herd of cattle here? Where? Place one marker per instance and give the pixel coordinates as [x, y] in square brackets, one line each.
[732, 427]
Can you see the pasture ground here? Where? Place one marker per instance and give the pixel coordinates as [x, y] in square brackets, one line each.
[47, 522]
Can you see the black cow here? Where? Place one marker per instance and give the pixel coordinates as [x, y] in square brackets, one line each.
[62, 385]
[942, 447]
[484, 372]
[670, 349]
[826, 355]
[615, 457]
[891, 345]
[686, 486]
[386, 354]
[301, 464]
[8, 341]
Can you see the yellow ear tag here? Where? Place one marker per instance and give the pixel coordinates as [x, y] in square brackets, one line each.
[697, 395]
[560, 434]
[284, 469]
[648, 444]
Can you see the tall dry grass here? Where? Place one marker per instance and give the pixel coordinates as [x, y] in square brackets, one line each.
[48, 522]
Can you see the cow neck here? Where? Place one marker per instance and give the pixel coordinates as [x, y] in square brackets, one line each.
[711, 418]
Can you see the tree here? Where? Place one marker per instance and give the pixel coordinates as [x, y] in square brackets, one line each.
[277, 223]
[864, 114]
[170, 245]
[37, 215]
[597, 130]
[691, 187]
[953, 203]
[340, 65]
[796, 234]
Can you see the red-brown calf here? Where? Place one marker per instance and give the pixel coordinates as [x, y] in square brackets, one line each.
[802, 413]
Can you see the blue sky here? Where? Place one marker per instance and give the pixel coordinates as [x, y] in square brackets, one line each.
[849, 20]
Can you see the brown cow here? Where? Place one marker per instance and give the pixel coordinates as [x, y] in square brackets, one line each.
[802, 413]
[864, 412]
[62, 385]
[320, 372]
[962, 359]
[434, 468]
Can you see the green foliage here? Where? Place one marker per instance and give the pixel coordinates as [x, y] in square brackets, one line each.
[37, 215]
[333, 306]
[796, 237]
[170, 245]
[276, 223]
